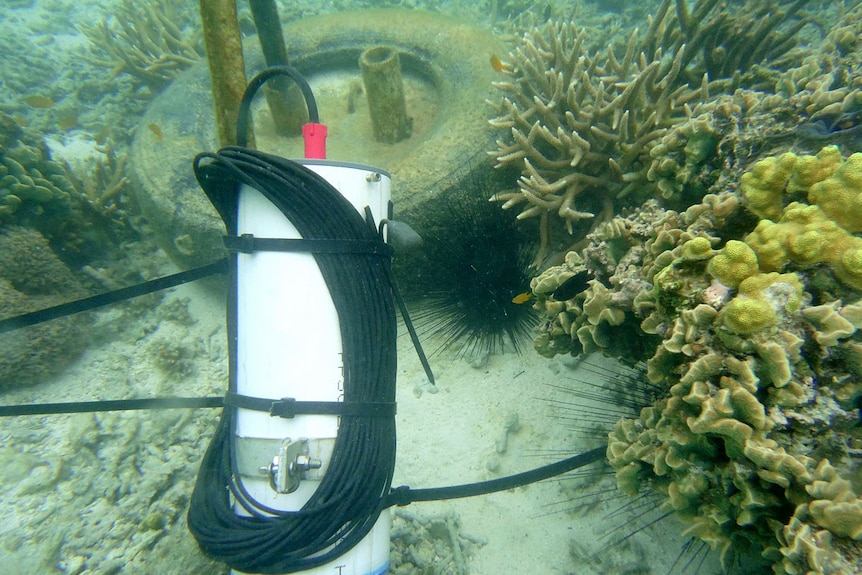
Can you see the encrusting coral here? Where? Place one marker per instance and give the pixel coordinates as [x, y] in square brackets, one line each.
[753, 444]
[32, 277]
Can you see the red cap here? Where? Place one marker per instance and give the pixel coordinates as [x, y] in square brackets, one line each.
[315, 141]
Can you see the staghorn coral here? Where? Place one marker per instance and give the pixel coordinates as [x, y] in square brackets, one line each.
[589, 130]
[726, 40]
[152, 43]
[580, 122]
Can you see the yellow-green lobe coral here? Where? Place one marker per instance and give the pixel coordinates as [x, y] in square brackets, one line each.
[840, 195]
[766, 183]
[733, 263]
[805, 235]
[696, 249]
[761, 302]
[746, 315]
[763, 185]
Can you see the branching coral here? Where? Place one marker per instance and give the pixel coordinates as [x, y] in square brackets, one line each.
[587, 129]
[726, 39]
[102, 182]
[146, 41]
[581, 122]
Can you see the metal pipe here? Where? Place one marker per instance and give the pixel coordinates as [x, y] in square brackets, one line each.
[384, 90]
[227, 71]
[282, 95]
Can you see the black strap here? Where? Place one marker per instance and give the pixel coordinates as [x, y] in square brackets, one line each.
[88, 303]
[289, 407]
[248, 243]
[404, 495]
[110, 405]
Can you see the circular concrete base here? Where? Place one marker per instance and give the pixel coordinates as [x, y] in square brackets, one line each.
[448, 77]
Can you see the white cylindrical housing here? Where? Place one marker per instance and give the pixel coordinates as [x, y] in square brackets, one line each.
[289, 343]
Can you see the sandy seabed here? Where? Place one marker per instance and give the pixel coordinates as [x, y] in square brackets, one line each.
[108, 493]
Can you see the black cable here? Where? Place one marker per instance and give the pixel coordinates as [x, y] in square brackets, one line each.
[404, 495]
[346, 504]
[110, 405]
[92, 302]
[255, 84]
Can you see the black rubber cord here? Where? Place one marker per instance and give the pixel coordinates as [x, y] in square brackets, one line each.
[243, 117]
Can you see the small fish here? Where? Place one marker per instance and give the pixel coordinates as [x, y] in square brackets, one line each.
[522, 298]
[37, 101]
[497, 64]
[67, 120]
[157, 132]
[572, 286]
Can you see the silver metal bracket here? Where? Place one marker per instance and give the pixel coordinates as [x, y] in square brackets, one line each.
[294, 460]
[286, 469]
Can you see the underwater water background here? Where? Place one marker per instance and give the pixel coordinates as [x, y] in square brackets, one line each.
[661, 174]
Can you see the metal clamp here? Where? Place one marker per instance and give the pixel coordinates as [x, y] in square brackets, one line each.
[286, 469]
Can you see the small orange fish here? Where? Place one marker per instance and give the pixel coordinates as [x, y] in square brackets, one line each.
[37, 101]
[157, 132]
[522, 298]
[497, 64]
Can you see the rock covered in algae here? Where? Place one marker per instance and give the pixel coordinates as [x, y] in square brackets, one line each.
[32, 277]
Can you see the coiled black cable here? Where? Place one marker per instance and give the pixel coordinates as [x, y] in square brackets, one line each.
[346, 504]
